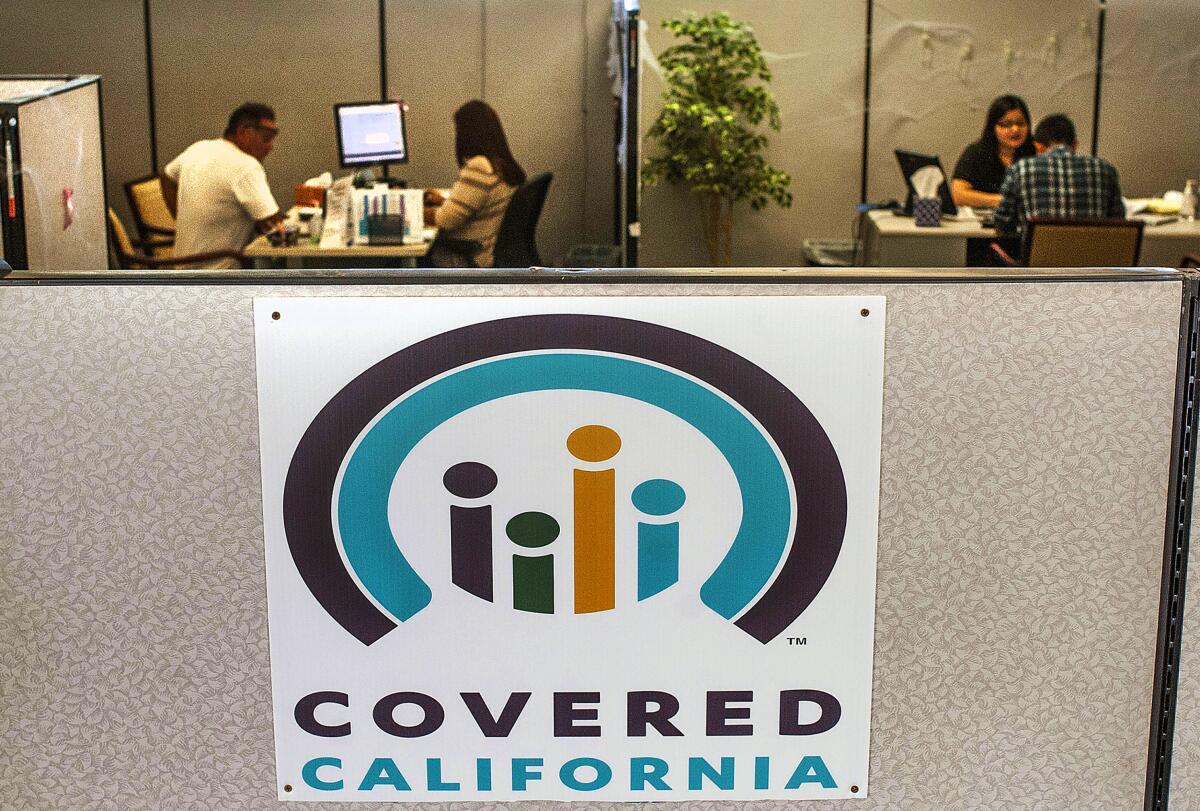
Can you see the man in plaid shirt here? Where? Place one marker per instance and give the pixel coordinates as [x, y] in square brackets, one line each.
[1058, 182]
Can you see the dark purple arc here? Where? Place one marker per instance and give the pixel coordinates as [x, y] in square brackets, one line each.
[803, 443]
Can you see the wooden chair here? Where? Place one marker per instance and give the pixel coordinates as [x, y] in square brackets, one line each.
[1056, 242]
[151, 218]
[125, 256]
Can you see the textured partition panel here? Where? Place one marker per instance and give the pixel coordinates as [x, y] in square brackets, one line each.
[435, 63]
[299, 57]
[534, 76]
[937, 65]
[1185, 765]
[102, 37]
[60, 150]
[815, 51]
[599, 114]
[1151, 92]
[1026, 441]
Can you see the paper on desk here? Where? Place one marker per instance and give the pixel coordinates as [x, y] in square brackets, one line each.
[324, 180]
[337, 209]
[926, 181]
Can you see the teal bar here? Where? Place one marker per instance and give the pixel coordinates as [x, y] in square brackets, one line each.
[658, 558]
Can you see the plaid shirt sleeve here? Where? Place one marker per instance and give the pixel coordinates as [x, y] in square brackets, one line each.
[1007, 211]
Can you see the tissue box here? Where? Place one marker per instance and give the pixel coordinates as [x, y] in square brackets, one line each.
[927, 211]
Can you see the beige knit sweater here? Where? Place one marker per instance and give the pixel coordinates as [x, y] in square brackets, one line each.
[475, 207]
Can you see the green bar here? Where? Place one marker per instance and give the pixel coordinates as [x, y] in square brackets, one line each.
[533, 583]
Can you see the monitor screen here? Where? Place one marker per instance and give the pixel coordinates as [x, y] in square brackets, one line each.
[910, 162]
[371, 132]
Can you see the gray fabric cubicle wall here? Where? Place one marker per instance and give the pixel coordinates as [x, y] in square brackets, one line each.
[541, 62]
[927, 97]
[542, 65]
[210, 57]
[815, 50]
[1027, 433]
[1150, 93]
[54, 37]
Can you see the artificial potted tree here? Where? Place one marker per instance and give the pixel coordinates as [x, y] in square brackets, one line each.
[714, 105]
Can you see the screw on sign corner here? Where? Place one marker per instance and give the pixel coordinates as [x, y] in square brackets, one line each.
[864, 312]
[275, 316]
[287, 787]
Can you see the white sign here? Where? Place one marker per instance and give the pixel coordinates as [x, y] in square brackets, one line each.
[600, 549]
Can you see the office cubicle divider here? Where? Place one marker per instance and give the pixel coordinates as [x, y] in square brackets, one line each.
[1038, 437]
[53, 200]
[627, 192]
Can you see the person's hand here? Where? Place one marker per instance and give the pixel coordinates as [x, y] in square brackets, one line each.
[433, 198]
[272, 223]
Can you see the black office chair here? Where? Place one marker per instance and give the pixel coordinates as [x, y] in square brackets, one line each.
[516, 243]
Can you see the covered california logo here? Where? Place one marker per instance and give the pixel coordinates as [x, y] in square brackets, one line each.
[340, 480]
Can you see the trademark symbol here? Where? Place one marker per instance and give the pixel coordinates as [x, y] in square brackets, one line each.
[797, 640]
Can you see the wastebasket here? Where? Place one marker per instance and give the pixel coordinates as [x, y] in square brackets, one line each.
[830, 253]
[593, 256]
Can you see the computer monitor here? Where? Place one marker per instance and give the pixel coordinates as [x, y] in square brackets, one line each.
[370, 132]
[910, 162]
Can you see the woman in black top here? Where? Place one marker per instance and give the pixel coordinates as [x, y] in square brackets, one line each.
[981, 168]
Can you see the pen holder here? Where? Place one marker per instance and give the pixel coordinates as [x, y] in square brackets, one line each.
[927, 211]
[385, 229]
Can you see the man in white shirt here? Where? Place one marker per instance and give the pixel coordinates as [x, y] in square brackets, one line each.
[218, 191]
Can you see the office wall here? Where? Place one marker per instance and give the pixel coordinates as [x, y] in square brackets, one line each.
[540, 63]
[104, 37]
[927, 97]
[60, 142]
[210, 57]
[815, 51]
[545, 65]
[1185, 764]
[1150, 93]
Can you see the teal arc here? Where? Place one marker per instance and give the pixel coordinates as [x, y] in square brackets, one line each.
[310, 500]
[362, 502]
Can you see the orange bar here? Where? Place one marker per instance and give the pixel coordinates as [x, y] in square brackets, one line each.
[595, 548]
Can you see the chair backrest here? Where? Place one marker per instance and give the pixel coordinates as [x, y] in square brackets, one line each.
[516, 245]
[150, 213]
[119, 240]
[1052, 242]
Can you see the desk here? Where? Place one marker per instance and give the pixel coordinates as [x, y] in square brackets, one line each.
[265, 255]
[893, 241]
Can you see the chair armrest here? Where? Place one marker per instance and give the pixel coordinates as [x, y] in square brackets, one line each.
[171, 261]
[1004, 255]
[1192, 260]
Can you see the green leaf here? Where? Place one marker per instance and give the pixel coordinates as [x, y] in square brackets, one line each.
[708, 127]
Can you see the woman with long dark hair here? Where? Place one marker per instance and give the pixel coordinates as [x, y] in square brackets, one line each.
[488, 174]
[1004, 140]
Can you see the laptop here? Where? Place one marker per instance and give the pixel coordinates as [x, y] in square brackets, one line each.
[910, 162]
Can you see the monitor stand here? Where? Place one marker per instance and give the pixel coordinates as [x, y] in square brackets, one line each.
[366, 178]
